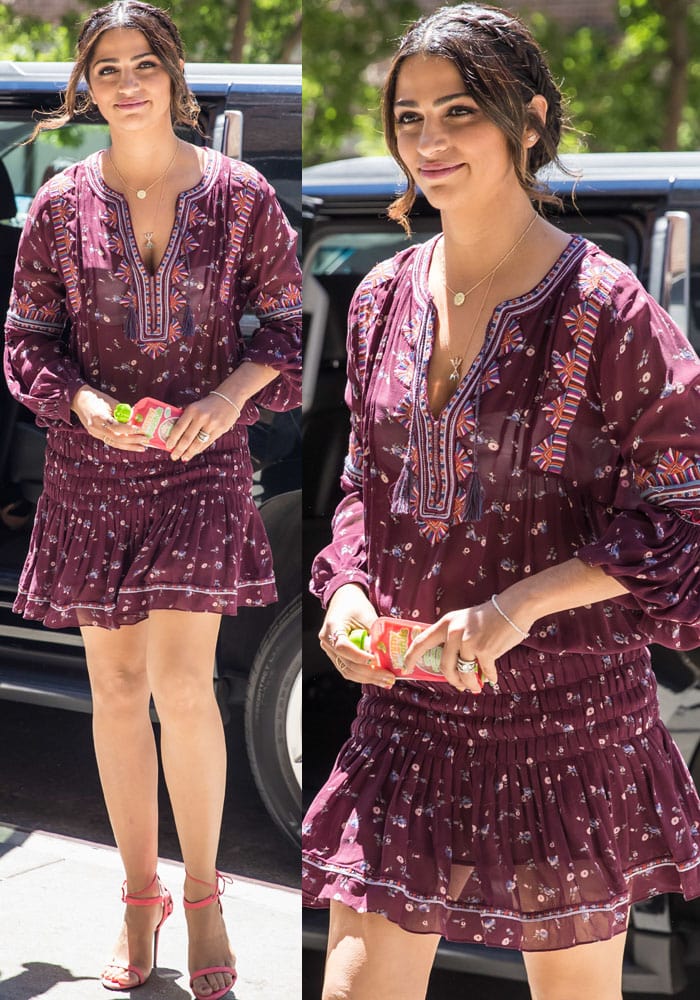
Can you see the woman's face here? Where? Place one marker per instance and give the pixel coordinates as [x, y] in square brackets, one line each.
[457, 156]
[128, 82]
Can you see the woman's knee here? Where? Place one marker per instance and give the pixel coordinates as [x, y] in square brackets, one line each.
[179, 695]
[118, 686]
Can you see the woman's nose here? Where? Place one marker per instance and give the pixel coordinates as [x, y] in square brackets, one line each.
[127, 79]
[432, 138]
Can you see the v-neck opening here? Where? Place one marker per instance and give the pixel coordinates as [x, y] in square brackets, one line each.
[492, 327]
[176, 228]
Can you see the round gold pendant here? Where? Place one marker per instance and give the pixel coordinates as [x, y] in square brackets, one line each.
[141, 194]
[459, 298]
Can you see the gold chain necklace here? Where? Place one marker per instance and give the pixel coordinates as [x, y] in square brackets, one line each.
[142, 192]
[149, 235]
[458, 298]
[456, 361]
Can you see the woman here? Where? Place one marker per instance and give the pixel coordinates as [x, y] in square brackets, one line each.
[523, 475]
[133, 272]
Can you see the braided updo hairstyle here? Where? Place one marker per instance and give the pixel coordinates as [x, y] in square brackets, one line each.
[502, 67]
[164, 39]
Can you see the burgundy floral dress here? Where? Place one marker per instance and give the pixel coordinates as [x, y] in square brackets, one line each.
[118, 534]
[532, 815]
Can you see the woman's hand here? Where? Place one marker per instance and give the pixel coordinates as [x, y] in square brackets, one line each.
[95, 411]
[199, 427]
[478, 634]
[350, 608]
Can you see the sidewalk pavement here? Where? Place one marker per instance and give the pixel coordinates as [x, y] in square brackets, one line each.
[60, 911]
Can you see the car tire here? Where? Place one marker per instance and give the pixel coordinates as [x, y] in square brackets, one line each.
[273, 721]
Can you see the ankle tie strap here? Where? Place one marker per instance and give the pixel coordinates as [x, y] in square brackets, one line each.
[218, 888]
[134, 900]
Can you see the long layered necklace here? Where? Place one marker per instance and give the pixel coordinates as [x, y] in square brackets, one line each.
[143, 192]
[458, 298]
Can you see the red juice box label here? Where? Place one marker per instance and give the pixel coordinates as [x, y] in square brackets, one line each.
[390, 638]
[156, 419]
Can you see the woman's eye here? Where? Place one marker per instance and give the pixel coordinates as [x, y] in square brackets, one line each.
[407, 118]
[106, 70]
[461, 111]
[147, 64]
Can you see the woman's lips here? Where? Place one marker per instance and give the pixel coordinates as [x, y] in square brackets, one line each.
[129, 105]
[436, 171]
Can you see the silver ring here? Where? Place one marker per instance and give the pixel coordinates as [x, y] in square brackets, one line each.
[335, 636]
[203, 436]
[466, 666]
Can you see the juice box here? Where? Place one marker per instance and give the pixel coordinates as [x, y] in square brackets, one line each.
[389, 638]
[152, 416]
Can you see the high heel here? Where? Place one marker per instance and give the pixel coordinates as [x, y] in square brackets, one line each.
[111, 982]
[198, 904]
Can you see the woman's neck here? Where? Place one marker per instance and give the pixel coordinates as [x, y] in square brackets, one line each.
[142, 156]
[475, 245]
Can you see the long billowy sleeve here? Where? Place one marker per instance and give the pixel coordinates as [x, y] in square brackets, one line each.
[271, 280]
[38, 370]
[344, 560]
[649, 391]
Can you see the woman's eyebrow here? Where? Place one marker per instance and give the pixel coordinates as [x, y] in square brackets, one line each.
[113, 59]
[405, 103]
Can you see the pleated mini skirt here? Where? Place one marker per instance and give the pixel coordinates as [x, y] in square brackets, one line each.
[530, 816]
[118, 534]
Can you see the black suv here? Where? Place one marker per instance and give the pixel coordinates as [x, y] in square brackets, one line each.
[251, 113]
[643, 209]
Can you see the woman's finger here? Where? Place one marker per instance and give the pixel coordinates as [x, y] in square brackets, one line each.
[195, 439]
[361, 672]
[434, 635]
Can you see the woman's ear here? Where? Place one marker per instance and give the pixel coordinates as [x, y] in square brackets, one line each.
[537, 109]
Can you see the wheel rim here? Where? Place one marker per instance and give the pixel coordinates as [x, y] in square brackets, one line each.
[293, 728]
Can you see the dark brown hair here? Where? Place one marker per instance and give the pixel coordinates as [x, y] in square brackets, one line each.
[502, 67]
[165, 42]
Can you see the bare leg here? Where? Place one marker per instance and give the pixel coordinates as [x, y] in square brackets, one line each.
[586, 972]
[370, 957]
[128, 765]
[180, 663]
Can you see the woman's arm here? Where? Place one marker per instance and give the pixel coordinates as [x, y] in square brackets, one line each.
[38, 370]
[269, 278]
[571, 584]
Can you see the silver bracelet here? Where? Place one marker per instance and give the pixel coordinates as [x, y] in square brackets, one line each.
[510, 621]
[229, 401]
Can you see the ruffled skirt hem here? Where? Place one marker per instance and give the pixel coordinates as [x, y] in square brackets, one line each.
[114, 615]
[471, 924]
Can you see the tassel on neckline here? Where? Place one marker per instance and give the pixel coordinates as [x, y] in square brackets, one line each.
[475, 497]
[402, 490]
[131, 328]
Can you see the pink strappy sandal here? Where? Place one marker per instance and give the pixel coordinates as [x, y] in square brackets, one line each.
[110, 982]
[219, 887]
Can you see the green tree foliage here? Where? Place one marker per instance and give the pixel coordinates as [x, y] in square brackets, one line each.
[30, 38]
[208, 29]
[341, 39]
[637, 88]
